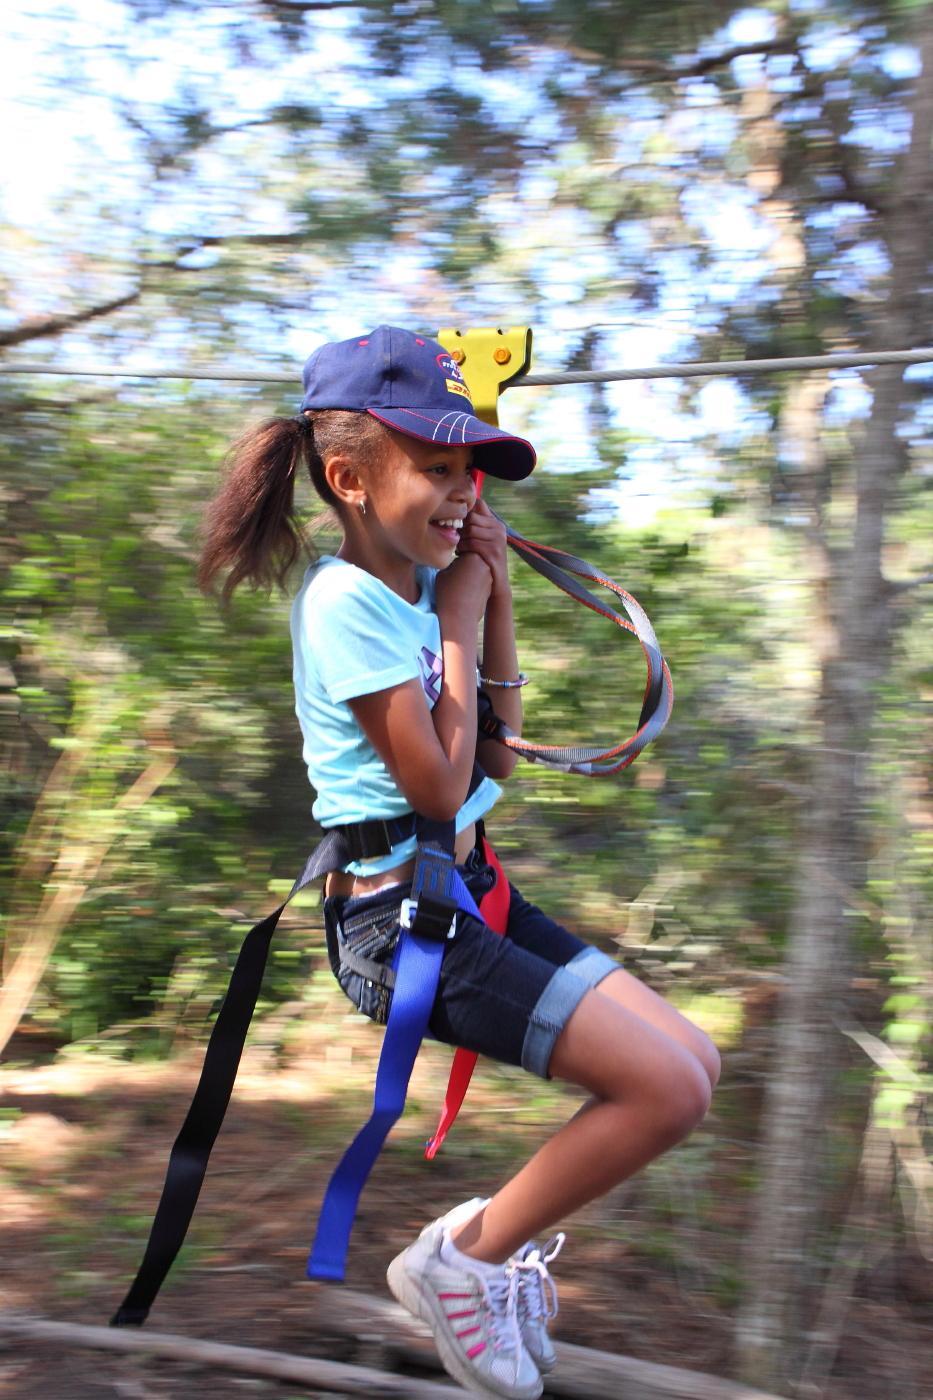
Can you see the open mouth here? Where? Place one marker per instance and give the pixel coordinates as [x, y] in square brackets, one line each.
[450, 528]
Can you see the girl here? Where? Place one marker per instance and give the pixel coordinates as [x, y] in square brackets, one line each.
[384, 636]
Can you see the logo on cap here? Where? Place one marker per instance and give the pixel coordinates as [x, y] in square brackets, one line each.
[453, 379]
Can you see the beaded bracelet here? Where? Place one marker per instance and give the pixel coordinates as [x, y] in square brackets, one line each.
[506, 685]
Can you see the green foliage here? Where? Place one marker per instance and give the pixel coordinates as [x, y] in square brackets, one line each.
[569, 165]
[129, 662]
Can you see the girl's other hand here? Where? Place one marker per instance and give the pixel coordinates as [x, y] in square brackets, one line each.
[465, 586]
[484, 535]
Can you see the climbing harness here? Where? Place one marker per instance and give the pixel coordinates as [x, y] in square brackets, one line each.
[429, 916]
[438, 892]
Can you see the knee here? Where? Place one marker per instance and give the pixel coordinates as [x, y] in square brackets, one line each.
[710, 1059]
[682, 1100]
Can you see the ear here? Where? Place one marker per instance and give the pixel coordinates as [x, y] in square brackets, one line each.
[343, 478]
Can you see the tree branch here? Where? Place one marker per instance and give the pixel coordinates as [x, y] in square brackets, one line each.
[213, 240]
[298, 7]
[36, 328]
[334, 1376]
[598, 1375]
[701, 66]
[217, 240]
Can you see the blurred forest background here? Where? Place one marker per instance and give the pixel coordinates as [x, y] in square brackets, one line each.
[206, 185]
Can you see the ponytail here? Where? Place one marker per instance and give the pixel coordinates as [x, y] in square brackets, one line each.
[250, 526]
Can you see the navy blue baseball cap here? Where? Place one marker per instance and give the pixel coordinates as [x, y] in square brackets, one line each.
[415, 386]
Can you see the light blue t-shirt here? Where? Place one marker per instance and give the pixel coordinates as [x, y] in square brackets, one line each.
[351, 635]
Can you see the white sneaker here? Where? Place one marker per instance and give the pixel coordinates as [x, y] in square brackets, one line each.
[537, 1299]
[472, 1309]
[537, 1292]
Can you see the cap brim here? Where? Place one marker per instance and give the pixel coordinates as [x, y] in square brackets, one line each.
[498, 453]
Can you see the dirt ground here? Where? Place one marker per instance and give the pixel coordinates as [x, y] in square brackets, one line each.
[649, 1271]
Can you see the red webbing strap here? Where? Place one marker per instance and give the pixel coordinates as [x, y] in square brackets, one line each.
[494, 908]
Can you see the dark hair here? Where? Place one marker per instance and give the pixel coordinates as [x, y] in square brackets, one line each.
[250, 526]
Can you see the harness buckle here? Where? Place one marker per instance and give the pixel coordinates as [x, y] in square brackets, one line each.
[432, 911]
[371, 839]
[430, 916]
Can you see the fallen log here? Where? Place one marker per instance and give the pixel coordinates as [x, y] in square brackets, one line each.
[601, 1375]
[582, 1373]
[305, 1370]
[388, 1333]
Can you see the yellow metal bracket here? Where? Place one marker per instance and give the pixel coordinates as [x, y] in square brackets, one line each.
[488, 360]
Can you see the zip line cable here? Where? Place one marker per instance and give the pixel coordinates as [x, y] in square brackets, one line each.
[688, 369]
[695, 369]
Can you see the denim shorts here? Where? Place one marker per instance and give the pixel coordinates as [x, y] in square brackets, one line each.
[507, 998]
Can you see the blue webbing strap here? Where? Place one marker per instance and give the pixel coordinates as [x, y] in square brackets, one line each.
[437, 885]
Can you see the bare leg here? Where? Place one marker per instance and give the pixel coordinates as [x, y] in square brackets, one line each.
[650, 1086]
[622, 987]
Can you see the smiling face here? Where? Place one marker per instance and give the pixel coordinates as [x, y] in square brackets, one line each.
[420, 496]
[416, 497]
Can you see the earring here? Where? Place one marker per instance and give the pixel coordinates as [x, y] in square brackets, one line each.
[362, 505]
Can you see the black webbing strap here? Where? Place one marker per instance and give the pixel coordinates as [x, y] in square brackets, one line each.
[188, 1159]
[369, 839]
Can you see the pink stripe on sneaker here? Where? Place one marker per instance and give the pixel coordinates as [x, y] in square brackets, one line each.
[475, 1351]
[455, 1295]
[464, 1312]
[468, 1331]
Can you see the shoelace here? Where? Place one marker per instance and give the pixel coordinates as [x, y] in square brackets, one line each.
[537, 1290]
[502, 1294]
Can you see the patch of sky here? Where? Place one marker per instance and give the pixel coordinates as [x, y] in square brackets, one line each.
[722, 408]
[827, 47]
[661, 476]
[900, 61]
[728, 218]
[835, 216]
[559, 424]
[749, 69]
[855, 269]
[784, 75]
[751, 26]
[881, 130]
[632, 240]
[804, 113]
[62, 83]
[637, 127]
[537, 186]
[518, 101]
[848, 399]
[709, 128]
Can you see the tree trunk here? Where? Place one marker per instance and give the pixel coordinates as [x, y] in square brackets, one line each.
[782, 1265]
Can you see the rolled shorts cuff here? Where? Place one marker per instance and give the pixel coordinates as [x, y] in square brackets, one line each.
[592, 965]
[557, 1003]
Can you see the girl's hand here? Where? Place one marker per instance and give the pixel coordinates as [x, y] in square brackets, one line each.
[464, 587]
[484, 534]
